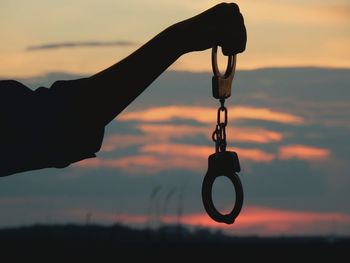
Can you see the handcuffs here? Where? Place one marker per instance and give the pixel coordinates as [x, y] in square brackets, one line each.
[222, 162]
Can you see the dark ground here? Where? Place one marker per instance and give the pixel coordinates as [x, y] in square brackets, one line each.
[65, 243]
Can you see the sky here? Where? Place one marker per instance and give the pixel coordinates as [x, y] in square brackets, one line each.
[290, 132]
[288, 33]
[288, 118]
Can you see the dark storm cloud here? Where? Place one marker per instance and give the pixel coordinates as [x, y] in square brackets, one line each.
[72, 44]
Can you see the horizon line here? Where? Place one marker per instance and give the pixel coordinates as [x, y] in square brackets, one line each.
[81, 74]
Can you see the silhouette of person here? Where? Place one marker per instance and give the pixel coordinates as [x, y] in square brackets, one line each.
[63, 124]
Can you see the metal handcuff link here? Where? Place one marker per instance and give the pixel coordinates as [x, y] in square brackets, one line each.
[222, 162]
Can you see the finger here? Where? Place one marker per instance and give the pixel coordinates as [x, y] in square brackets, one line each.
[235, 40]
[236, 44]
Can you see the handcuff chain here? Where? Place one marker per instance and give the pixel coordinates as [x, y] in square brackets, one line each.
[219, 134]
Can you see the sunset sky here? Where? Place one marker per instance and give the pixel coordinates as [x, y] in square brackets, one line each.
[287, 33]
[288, 117]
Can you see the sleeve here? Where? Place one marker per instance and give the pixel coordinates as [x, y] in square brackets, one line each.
[46, 127]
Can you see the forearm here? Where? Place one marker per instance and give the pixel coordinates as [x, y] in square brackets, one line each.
[117, 86]
[110, 91]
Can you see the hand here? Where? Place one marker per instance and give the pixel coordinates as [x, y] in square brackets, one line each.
[221, 25]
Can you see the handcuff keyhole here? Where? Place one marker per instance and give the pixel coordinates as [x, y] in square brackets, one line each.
[223, 195]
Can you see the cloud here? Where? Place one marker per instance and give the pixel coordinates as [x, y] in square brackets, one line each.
[259, 220]
[135, 164]
[121, 141]
[208, 114]
[242, 134]
[145, 164]
[202, 152]
[51, 46]
[155, 158]
[164, 133]
[271, 221]
[254, 135]
[303, 152]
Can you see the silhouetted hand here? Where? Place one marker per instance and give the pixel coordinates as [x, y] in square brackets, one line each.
[221, 25]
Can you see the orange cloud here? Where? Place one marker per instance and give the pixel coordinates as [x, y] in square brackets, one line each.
[192, 151]
[265, 114]
[132, 164]
[208, 114]
[197, 151]
[252, 220]
[254, 155]
[303, 152]
[167, 131]
[269, 221]
[121, 141]
[153, 133]
[253, 135]
[200, 114]
[241, 134]
[156, 133]
[155, 158]
[145, 164]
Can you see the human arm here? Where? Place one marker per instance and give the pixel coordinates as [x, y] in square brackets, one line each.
[117, 86]
[64, 124]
